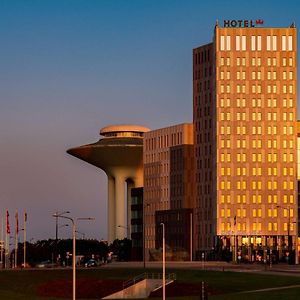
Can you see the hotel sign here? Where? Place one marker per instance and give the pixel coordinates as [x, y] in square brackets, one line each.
[243, 23]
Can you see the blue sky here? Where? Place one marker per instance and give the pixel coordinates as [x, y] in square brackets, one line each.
[71, 67]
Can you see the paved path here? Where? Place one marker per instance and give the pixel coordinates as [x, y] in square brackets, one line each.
[271, 289]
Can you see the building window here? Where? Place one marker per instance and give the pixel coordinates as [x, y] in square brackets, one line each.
[283, 43]
[290, 43]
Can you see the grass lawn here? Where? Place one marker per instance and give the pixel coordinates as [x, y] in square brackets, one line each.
[25, 284]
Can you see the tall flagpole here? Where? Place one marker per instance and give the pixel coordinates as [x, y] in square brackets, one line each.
[25, 220]
[16, 239]
[2, 240]
[7, 241]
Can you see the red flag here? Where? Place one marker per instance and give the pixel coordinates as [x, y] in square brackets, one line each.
[17, 223]
[7, 223]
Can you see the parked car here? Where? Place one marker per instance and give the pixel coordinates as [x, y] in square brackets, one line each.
[91, 263]
[45, 264]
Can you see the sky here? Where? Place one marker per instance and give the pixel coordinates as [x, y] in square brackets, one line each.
[71, 67]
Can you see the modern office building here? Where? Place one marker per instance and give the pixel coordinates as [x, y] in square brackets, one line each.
[168, 177]
[245, 112]
[120, 155]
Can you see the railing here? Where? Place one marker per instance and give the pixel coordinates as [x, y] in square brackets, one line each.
[138, 278]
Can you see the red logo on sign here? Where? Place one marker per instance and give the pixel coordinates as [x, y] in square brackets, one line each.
[259, 22]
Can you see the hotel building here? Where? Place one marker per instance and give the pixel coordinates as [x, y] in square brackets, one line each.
[245, 134]
[168, 182]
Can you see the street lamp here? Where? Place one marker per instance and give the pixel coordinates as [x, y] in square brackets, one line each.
[74, 247]
[56, 216]
[164, 261]
[83, 234]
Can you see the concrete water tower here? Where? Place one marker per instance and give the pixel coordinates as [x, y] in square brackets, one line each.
[120, 155]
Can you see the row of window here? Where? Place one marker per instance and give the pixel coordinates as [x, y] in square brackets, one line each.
[257, 61]
[256, 185]
[255, 212]
[257, 130]
[163, 141]
[257, 116]
[255, 199]
[256, 75]
[257, 157]
[270, 102]
[256, 171]
[257, 89]
[272, 226]
[256, 144]
[254, 43]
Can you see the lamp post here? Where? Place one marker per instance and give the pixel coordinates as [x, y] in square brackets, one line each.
[56, 216]
[74, 247]
[164, 261]
[191, 236]
[289, 231]
[83, 234]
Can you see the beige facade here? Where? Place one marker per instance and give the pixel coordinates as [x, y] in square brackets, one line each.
[156, 157]
[245, 112]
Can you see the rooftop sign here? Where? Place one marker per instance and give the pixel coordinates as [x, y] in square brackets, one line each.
[243, 23]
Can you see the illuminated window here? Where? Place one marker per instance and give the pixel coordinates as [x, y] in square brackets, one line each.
[259, 213]
[222, 199]
[244, 198]
[253, 198]
[228, 185]
[222, 43]
[222, 185]
[269, 199]
[222, 212]
[290, 61]
[222, 60]
[254, 212]
[269, 212]
[222, 226]
[258, 75]
[259, 198]
[284, 62]
[228, 42]
[228, 199]
[228, 226]
[228, 212]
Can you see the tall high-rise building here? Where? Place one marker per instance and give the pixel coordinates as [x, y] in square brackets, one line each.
[168, 174]
[245, 135]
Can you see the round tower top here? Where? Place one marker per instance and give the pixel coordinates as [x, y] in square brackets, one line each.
[127, 130]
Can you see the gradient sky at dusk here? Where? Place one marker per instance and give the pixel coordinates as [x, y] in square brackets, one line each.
[71, 67]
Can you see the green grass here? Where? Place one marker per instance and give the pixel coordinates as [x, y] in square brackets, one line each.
[22, 284]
